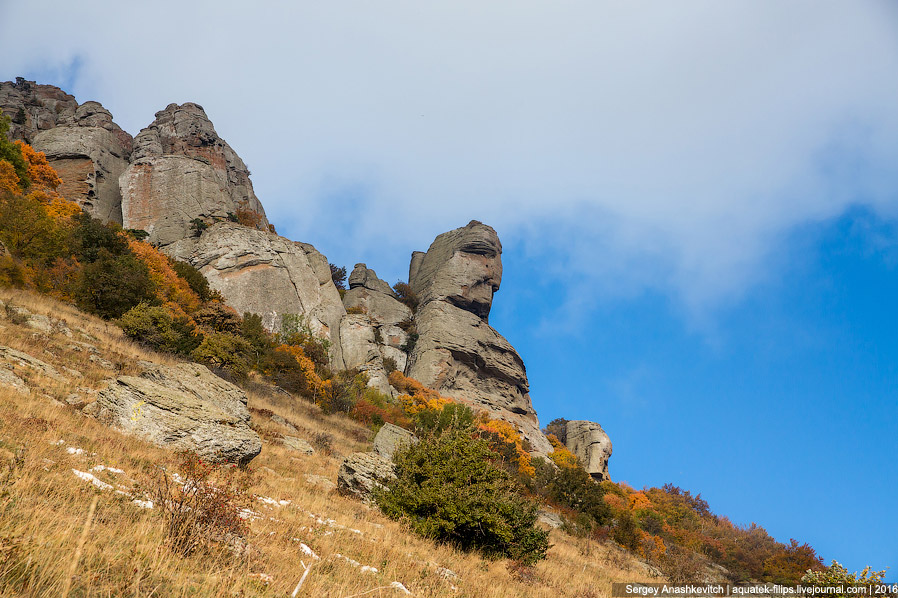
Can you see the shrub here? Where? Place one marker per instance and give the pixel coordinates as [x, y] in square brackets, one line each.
[218, 317]
[195, 280]
[389, 365]
[111, 285]
[225, 350]
[338, 275]
[91, 238]
[204, 510]
[449, 490]
[836, 575]
[296, 330]
[197, 226]
[159, 328]
[406, 295]
[247, 217]
[558, 428]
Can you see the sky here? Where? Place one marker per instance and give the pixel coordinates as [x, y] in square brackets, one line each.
[698, 203]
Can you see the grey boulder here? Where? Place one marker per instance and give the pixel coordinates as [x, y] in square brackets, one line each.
[182, 407]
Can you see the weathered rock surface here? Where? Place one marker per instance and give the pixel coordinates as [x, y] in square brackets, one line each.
[361, 473]
[458, 353]
[88, 150]
[391, 438]
[183, 407]
[259, 272]
[297, 444]
[14, 357]
[182, 170]
[373, 335]
[589, 442]
[462, 267]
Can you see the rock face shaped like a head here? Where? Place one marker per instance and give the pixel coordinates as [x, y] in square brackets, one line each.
[589, 442]
[182, 171]
[462, 266]
[457, 352]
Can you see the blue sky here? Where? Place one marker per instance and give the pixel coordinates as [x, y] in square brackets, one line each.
[698, 203]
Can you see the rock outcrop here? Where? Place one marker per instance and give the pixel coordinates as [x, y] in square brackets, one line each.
[259, 272]
[458, 353]
[391, 438]
[361, 473]
[180, 171]
[372, 331]
[88, 150]
[183, 407]
[589, 442]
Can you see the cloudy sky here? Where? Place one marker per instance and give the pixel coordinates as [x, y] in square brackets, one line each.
[698, 203]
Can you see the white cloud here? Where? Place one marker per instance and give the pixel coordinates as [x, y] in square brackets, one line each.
[666, 145]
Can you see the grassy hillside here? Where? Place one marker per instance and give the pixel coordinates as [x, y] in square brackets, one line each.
[45, 505]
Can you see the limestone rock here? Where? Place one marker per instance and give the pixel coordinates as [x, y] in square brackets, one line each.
[14, 357]
[462, 267]
[458, 353]
[361, 473]
[589, 442]
[182, 170]
[297, 444]
[320, 481]
[259, 272]
[373, 335]
[7, 378]
[81, 142]
[390, 438]
[183, 407]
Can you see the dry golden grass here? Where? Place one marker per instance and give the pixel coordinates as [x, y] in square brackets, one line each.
[44, 506]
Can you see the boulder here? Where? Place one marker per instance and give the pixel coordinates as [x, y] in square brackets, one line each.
[294, 443]
[180, 171]
[457, 352]
[82, 143]
[589, 442]
[262, 273]
[390, 438]
[182, 407]
[361, 473]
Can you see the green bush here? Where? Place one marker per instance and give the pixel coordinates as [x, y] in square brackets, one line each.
[449, 491]
[195, 280]
[112, 284]
[451, 416]
[225, 350]
[572, 488]
[91, 238]
[156, 327]
[218, 317]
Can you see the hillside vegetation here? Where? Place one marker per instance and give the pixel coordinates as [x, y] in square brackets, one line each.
[138, 304]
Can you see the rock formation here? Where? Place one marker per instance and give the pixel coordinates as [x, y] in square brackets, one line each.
[589, 442]
[181, 170]
[88, 150]
[361, 473]
[259, 272]
[185, 407]
[373, 330]
[458, 353]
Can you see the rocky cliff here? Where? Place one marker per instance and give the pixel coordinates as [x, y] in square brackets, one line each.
[190, 191]
[181, 171]
[88, 150]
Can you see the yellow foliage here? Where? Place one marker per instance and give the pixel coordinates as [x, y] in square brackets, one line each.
[9, 180]
[174, 291]
[416, 397]
[509, 435]
[322, 390]
[561, 456]
[650, 547]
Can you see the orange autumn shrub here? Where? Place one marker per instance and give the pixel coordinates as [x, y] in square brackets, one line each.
[9, 180]
[322, 390]
[42, 175]
[173, 290]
